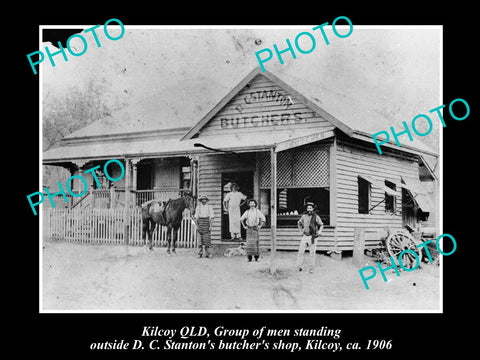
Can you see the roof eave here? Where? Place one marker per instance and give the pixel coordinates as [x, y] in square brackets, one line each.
[327, 116]
[196, 128]
[405, 148]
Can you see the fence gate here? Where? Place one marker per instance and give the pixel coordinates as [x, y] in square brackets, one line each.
[105, 226]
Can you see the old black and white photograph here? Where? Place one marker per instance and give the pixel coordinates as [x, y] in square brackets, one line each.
[242, 168]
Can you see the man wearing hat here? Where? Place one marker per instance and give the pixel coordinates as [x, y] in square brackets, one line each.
[252, 220]
[311, 226]
[203, 219]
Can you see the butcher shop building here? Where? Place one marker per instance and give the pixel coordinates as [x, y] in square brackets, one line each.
[285, 143]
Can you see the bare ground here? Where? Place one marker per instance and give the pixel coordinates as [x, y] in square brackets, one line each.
[106, 277]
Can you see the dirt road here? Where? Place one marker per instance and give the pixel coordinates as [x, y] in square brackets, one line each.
[106, 277]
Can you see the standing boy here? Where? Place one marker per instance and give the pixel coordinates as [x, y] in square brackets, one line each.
[203, 218]
[310, 226]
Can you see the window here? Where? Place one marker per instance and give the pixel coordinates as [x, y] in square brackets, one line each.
[390, 199]
[408, 211]
[302, 176]
[363, 196]
[186, 174]
[290, 204]
[297, 168]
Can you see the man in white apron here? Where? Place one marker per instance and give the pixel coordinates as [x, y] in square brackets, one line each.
[233, 200]
[252, 220]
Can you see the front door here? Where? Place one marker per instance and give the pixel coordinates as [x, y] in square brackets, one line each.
[245, 181]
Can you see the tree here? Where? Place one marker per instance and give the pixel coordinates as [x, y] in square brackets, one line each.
[69, 112]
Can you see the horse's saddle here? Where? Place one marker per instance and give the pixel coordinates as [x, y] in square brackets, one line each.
[157, 211]
[157, 207]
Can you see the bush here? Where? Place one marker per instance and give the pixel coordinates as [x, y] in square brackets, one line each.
[381, 255]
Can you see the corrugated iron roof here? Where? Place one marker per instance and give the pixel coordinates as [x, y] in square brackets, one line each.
[169, 146]
[156, 113]
[174, 107]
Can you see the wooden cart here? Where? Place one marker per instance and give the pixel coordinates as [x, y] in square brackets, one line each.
[399, 241]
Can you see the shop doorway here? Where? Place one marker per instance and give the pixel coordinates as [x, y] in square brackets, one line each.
[245, 182]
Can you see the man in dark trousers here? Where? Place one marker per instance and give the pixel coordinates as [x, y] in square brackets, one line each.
[310, 226]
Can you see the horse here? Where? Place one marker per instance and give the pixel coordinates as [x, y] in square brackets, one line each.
[167, 214]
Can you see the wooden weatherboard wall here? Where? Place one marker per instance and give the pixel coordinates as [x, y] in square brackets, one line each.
[263, 106]
[355, 160]
[210, 169]
[289, 238]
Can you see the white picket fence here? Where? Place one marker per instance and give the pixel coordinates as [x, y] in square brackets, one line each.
[106, 226]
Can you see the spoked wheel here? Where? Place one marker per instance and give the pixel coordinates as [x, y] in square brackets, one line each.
[400, 241]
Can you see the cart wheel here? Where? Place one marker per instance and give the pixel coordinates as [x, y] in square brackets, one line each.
[400, 241]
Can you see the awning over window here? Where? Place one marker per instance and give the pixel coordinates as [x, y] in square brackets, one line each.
[419, 194]
[379, 184]
[424, 202]
[414, 186]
